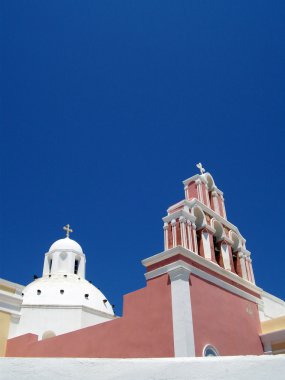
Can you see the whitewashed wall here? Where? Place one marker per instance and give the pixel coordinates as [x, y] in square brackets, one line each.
[222, 368]
[273, 307]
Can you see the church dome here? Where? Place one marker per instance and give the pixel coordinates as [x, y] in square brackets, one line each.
[65, 244]
[61, 290]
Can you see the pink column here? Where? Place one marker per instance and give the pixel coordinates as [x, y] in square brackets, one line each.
[195, 238]
[182, 222]
[174, 235]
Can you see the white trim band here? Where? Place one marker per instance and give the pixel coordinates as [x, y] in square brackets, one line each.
[206, 276]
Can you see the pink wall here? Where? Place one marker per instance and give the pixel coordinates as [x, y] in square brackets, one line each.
[224, 320]
[204, 191]
[192, 191]
[145, 330]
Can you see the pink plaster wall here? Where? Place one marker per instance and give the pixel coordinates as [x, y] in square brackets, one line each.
[192, 191]
[178, 232]
[224, 320]
[145, 330]
[204, 192]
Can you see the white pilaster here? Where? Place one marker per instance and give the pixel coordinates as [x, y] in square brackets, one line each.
[226, 256]
[215, 202]
[207, 197]
[224, 207]
[81, 268]
[165, 228]
[199, 190]
[183, 333]
[242, 264]
[186, 192]
[206, 244]
[174, 233]
[251, 270]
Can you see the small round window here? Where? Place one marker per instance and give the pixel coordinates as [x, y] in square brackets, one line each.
[210, 351]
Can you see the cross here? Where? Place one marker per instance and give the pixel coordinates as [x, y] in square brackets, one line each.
[200, 167]
[68, 230]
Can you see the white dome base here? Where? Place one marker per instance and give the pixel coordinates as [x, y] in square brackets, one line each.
[53, 320]
[60, 303]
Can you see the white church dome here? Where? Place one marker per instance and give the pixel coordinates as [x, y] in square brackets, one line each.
[62, 300]
[65, 244]
[65, 290]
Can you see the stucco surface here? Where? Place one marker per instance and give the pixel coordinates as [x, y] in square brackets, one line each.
[234, 368]
[143, 331]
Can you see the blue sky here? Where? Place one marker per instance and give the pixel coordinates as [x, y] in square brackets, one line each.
[107, 106]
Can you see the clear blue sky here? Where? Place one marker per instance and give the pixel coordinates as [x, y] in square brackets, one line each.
[106, 106]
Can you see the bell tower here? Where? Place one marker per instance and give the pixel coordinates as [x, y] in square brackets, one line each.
[210, 274]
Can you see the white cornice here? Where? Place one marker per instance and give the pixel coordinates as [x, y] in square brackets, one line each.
[202, 261]
[65, 250]
[273, 298]
[10, 303]
[11, 298]
[194, 178]
[10, 284]
[71, 307]
[8, 310]
[177, 214]
[209, 211]
[181, 203]
[226, 239]
[207, 227]
[244, 251]
[200, 273]
[212, 213]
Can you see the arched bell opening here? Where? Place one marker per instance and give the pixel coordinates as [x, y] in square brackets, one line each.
[210, 187]
[200, 222]
[217, 237]
[235, 247]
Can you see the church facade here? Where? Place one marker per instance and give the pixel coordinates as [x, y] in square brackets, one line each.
[200, 297]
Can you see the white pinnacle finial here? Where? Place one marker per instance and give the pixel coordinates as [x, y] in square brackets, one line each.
[68, 230]
[200, 167]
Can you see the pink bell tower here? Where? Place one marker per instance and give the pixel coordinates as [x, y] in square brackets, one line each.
[213, 293]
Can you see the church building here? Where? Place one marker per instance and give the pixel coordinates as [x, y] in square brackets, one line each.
[200, 297]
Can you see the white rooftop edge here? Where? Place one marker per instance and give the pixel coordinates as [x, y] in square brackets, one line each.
[222, 368]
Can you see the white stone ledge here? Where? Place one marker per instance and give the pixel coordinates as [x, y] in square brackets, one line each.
[222, 368]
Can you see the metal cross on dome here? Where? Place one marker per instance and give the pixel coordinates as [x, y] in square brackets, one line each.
[200, 167]
[68, 230]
